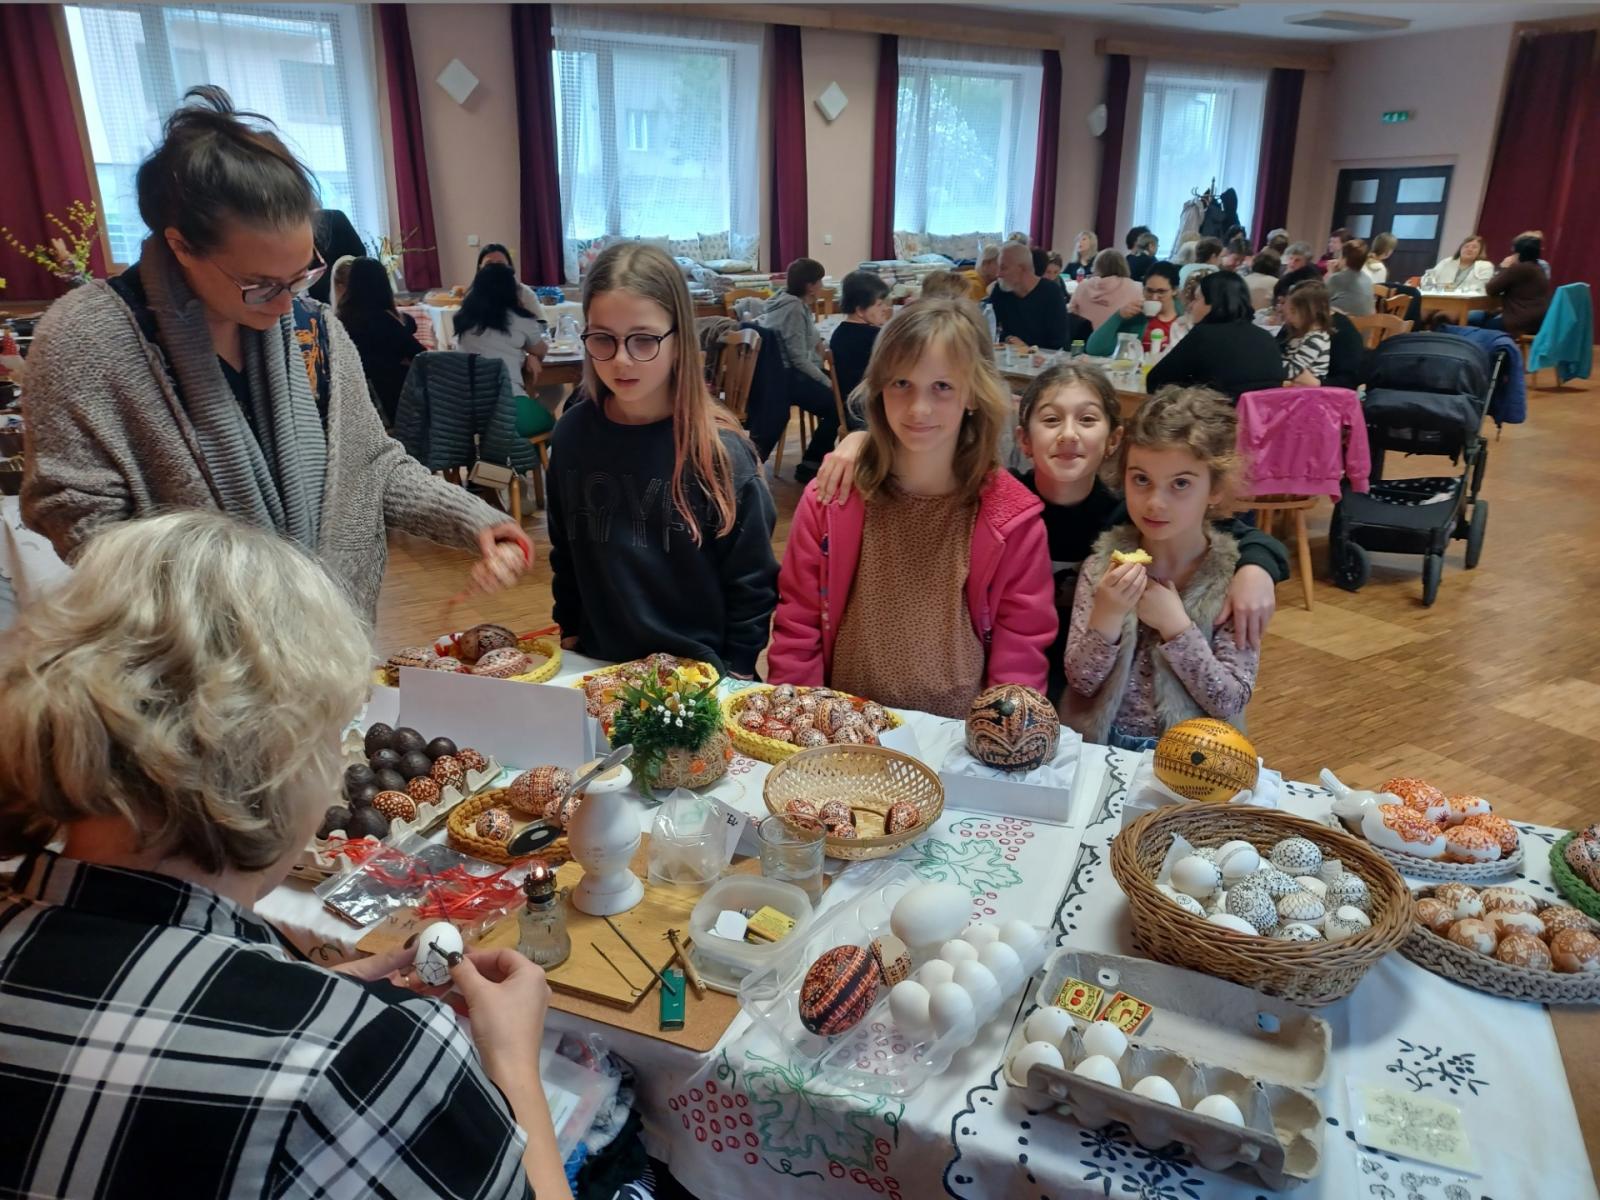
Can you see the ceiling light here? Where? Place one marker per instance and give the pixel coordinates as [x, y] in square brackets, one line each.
[1349, 22]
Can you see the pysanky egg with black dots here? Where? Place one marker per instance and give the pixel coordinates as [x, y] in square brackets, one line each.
[1349, 890]
[838, 990]
[1296, 856]
[494, 825]
[1207, 760]
[536, 787]
[1253, 905]
[1012, 728]
[481, 640]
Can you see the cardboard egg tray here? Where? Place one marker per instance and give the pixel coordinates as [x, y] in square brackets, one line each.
[1205, 1037]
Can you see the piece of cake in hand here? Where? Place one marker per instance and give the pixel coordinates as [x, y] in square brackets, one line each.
[1119, 557]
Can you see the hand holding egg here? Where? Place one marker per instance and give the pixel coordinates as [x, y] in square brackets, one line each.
[506, 554]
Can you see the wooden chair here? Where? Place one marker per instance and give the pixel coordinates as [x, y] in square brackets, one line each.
[826, 303]
[1379, 326]
[734, 295]
[1414, 281]
[541, 445]
[1397, 304]
[736, 369]
[1525, 341]
[1267, 509]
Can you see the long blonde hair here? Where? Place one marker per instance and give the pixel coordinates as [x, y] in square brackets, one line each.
[697, 419]
[956, 328]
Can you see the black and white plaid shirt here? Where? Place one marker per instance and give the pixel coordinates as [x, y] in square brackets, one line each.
[157, 1040]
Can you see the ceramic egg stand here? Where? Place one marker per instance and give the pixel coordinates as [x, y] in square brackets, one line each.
[603, 835]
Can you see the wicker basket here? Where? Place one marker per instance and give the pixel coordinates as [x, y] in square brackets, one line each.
[1310, 973]
[547, 648]
[1578, 893]
[464, 837]
[869, 779]
[771, 750]
[1487, 974]
[615, 672]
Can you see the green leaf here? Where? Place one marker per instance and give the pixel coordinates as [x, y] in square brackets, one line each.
[798, 1115]
[977, 864]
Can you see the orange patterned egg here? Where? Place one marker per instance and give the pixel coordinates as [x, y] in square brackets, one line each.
[901, 817]
[838, 990]
[1206, 759]
[1415, 793]
[1523, 950]
[397, 806]
[1463, 844]
[1501, 829]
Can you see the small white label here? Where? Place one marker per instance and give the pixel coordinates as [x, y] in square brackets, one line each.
[734, 822]
[731, 925]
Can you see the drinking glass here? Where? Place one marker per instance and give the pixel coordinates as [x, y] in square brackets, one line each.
[792, 855]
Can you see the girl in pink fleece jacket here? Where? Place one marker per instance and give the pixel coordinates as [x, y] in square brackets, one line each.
[933, 580]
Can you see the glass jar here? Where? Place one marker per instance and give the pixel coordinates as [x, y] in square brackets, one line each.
[543, 936]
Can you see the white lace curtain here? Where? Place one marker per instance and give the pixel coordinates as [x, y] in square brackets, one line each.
[966, 138]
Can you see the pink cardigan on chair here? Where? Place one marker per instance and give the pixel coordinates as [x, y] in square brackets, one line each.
[1010, 590]
[1294, 442]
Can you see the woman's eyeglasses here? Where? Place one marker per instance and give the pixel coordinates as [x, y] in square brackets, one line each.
[642, 347]
[266, 293]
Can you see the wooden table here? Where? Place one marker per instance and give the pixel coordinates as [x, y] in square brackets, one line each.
[1456, 305]
[1129, 386]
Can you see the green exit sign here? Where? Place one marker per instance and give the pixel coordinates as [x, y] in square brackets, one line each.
[1394, 118]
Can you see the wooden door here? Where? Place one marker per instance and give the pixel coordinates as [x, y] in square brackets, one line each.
[1408, 202]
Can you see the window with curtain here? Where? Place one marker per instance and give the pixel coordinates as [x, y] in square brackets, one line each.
[656, 121]
[966, 138]
[308, 68]
[1199, 125]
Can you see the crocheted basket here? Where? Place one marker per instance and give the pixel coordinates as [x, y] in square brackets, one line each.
[1578, 893]
[772, 750]
[463, 835]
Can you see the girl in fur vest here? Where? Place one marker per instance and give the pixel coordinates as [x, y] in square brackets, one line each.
[1143, 649]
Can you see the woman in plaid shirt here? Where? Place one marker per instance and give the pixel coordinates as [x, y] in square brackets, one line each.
[172, 719]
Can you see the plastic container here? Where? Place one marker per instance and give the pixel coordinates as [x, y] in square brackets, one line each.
[687, 842]
[723, 964]
[874, 1056]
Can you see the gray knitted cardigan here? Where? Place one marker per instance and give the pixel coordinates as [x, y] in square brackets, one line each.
[107, 439]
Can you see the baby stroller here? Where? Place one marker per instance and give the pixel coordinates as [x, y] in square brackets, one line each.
[1427, 393]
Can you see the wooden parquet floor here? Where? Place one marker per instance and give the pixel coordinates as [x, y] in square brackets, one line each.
[1493, 690]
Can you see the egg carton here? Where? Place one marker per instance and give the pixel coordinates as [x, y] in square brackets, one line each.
[1276, 1057]
[874, 1056]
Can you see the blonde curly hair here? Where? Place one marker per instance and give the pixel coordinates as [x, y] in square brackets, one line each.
[191, 677]
[1195, 419]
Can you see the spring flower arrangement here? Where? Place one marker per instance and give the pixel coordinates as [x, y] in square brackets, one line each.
[676, 731]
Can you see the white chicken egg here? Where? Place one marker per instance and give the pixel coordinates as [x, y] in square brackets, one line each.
[908, 1005]
[1047, 1025]
[1237, 860]
[981, 985]
[1032, 1055]
[1194, 876]
[949, 1007]
[1100, 1069]
[955, 952]
[1314, 885]
[1154, 1087]
[930, 913]
[1002, 960]
[1220, 1108]
[435, 947]
[934, 972]
[980, 934]
[1229, 921]
[1020, 936]
[1105, 1039]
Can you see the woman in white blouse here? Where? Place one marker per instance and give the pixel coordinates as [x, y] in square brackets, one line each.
[1468, 271]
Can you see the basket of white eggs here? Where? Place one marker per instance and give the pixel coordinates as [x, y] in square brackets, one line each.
[1272, 901]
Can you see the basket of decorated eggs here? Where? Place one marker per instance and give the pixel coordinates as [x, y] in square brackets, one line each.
[489, 651]
[1280, 904]
[1507, 942]
[1575, 866]
[1431, 835]
[775, 723]
[870, 801]
[483, 825]
[602, 689]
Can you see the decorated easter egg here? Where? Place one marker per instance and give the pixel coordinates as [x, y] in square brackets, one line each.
[494, 825]
[503, 664]
[1402, 829]
[1253, 905]
[1419, 795]
[1013, 728]
[1507, 899]
[1503, 831]
[800, 808]
[838, 989]
[411, 656]
[397, 806]
[902, 816]
[1435, 914]
[752, 719]
[448, 772]
[1505, 920]
[1278, 884]
[423, 790]
[449, 664]
[1237, 860]
[1474, 935]
[439, 947]
[481, 640]
[1557, 917]
[533, 790]
[1345, 922]
[1206, 759]
[1296, 856]
[810, 739]
[1297, 931]
[875, 715]
[1459, 807]
[1302, 907]
[1575, 951]
[1349, 889]
[835, 812]
[471, 759]
[1523, 950]
[1464, 844]
[892, 957]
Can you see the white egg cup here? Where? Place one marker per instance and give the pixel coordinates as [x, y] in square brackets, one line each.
[604, 836]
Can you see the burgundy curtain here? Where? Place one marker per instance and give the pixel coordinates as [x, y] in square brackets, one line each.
[414, 200]
[1041, 228]
[884, 126]
[1275, 171]
[532, 45]
[40, 147]
[1544, 174]
[790, 232]
[1105, 210]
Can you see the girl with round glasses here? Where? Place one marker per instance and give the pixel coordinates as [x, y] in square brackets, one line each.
[202, 378]
[660, 519]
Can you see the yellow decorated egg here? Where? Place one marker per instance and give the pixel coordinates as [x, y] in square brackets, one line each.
[1206, 759]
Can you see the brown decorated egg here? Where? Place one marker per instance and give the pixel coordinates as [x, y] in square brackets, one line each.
[447, 664]
[783, 711]
[1574, 951]
[483, 639]
[397, 806]
[1473, 934]
[1523, 950]
[810, 739]
[1459, 807]
[1501, 829]
[832, 713]
[759, 703]
[503, 664]
[822, 693]
[808, 702]
[810, 824]
[535, 788]
[751, 719]
[845, 832]
[853, 734]
[1435, 915]
[559, 812]
[803, 720]
[784, 692]
[1462, 898]
[1463, 844]
[1403, 830]
[780, 731]
[875, 715]
[423, 790]
[471, 759]
[494, 825]
[1557, 917]
[838, 990]
[1507, 921]
[1507, 899]
[1206, 759]
[835, 812]
[799, 808]
[411, 656]
[1013, 728]
[448, 772]
[902, 816]
[893, 959]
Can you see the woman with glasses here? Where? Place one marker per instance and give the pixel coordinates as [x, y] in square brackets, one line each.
[200, 378]
[1157, 311]
[660, 520]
